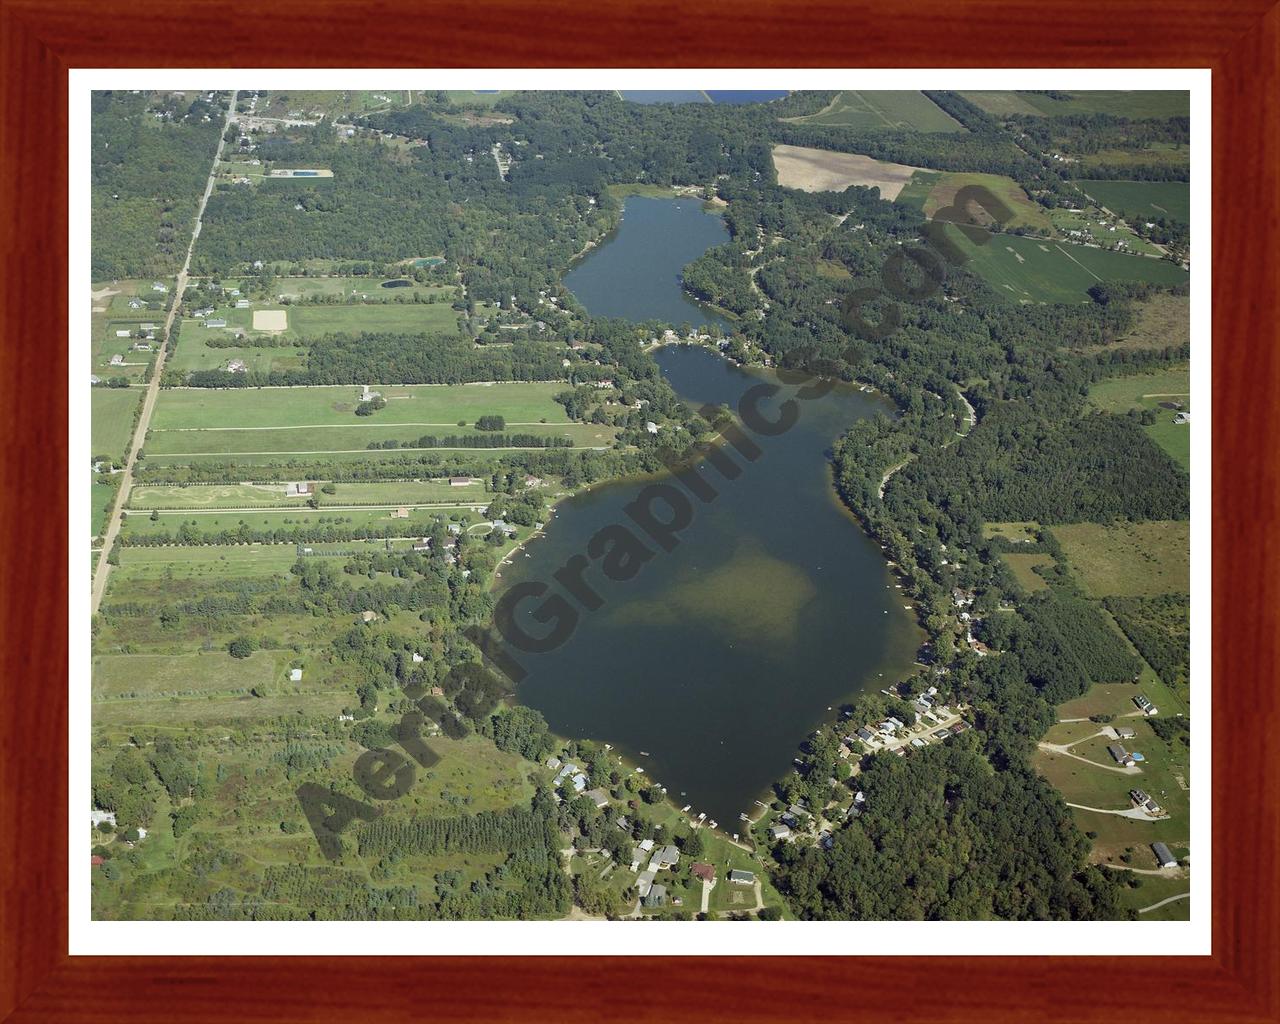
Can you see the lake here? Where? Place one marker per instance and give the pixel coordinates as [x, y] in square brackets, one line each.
[718, 658]
[635, 272]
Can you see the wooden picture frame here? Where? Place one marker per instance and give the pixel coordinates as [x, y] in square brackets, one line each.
[42, 39]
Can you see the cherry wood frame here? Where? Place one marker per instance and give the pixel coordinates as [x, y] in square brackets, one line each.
[41, 39]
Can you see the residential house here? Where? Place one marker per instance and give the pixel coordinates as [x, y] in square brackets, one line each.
[553, 762]
[597, 797]
[1125, 732]
[237, 366]
[1120, 755]
[644, 882]
[655, 897]
[295, 675]
[737, 877]
[1145, 706]
[216, 322]
[704, 871]
[778, 832]
[117, 360]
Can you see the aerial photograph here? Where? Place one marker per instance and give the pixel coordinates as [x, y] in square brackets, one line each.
[683, 505]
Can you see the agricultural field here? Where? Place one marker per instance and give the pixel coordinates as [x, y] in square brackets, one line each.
[1162, 154]
[111, 412]
[1129, 559]
[101, 497]
[210, 563]
[930, 191]
[824, 170]
[1165, 393]
[1133, 105]
[1025, 269]
[883, 109]
[1142, 200]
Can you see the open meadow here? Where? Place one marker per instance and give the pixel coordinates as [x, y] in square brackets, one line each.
[1129, 559]
[930, 191]
[112, 411]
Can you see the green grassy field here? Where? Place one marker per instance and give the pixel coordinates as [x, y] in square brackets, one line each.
[1142, 200]
[1152, 391]
[314, 320]
[211, 562]
[214, 496]
[1024, 269]
[1129, 559]
[930, 191]
[884, 109]
[111, 419]
[1011, 531]
[1162, 154]
[1122, 103]
[363, 289]
[417, 405]
[471, 98]
[1023, 567]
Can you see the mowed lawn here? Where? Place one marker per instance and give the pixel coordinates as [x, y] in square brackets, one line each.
[1155, 391]
[886, 109]
[931, 191]
[1026, 269]
[1129, 559]
[111, 419]
[417, 523]
[1145, 200]
[416, 405]
[194, 353]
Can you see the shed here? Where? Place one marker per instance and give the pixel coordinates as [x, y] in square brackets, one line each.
[738, 877]
[1163, 856]
[295, 675]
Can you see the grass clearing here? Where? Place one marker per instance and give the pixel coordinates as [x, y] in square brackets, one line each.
[1159, 392]
[249, 495]
[1129, 559]
[1023, 568]
[212, 562]
[1012, 531]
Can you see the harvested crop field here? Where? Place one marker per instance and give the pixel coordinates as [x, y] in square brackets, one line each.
[824, 170]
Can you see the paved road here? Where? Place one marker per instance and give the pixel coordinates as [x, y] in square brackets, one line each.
[153, 389]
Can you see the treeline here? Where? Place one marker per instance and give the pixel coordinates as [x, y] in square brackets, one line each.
[402, 358]
[476, 441]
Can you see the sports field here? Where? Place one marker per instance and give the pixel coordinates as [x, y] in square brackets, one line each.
[1142, 200]
[1121, 103]
[111, 424]
[883, 109]
[930, 191]
[1026, 269]
[1129, 559]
